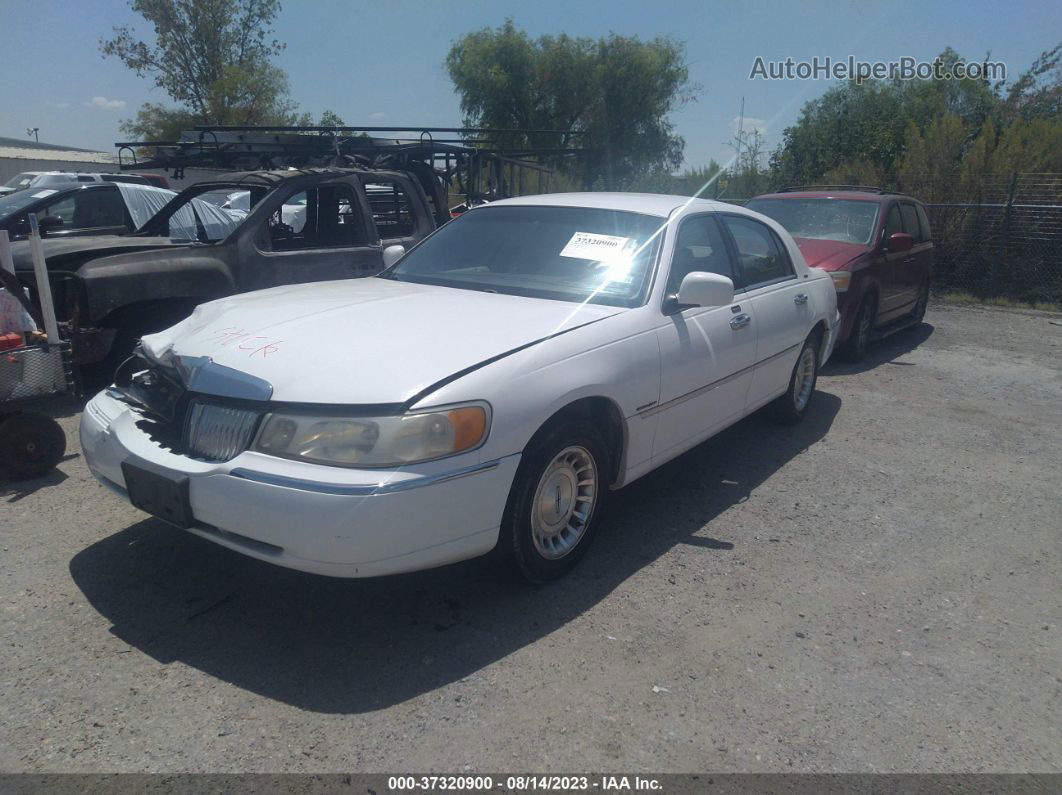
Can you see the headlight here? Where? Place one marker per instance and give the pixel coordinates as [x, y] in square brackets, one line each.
[373, 441]
[841, 280]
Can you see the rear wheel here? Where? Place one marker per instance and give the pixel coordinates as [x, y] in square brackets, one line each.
[555, 502]
[31, 444]
[791, 407]
[855, 347]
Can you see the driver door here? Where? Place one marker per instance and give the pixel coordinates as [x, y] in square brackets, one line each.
[706, 353]
[316, 234]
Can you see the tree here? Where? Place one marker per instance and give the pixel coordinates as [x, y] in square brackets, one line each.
[868, 122]
[617, 88]
[1037, 93]
[212, 57]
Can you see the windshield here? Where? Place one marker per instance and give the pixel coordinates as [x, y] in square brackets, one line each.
[20, 181]
[564, 253]
[12, 203]
[846, 220]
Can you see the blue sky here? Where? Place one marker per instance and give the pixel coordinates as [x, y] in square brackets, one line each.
[382, 63]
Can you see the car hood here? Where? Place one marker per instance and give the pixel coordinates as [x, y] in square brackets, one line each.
[363, 341]
[829, 254]
[59, 249]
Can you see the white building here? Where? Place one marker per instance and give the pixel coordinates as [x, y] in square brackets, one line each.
[18, 155]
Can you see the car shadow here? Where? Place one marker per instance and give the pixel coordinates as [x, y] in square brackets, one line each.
[884, 351]
[351, 646]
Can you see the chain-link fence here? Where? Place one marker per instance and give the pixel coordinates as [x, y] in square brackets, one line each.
[1000, 236]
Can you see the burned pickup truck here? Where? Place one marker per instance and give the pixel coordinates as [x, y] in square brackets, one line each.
[302, 225]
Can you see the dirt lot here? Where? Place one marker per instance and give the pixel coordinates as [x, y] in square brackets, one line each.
[875, 590]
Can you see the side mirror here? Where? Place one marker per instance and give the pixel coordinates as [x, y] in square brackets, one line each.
[899, 241]
[701, 288]
[392, 254]
[49, 222]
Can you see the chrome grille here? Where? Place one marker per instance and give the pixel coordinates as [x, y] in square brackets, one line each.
[218, 433]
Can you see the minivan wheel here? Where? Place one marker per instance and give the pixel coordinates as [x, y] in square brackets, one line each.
[855, 347]
[791, 407]
[923, 302]
[555, 502]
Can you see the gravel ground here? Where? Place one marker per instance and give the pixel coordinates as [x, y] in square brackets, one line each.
[874, 590]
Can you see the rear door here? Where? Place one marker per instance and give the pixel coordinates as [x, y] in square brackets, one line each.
[779, 304]
[706, 353]
[400, 210]
[321, 233]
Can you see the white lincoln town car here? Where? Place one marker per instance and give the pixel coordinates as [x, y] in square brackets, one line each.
[484, 392]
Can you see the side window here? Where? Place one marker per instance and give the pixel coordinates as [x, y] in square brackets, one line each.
[892, 223]
[88, 209]
[699, 247]
[63, 209]
[391, 210]
[910, 221]
[760, 253]
[322, 217]
[923, 219]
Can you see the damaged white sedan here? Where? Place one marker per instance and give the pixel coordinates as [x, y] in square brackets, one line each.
[486, 391]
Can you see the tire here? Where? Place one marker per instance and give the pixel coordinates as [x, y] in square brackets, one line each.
[855, 347]
[31, 445]
[919, 312]
[543, 536]
[790, 408]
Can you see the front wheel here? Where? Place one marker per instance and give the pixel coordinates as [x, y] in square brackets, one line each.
[555, 502]
[791, 407]
[855, 347]
[923, 302]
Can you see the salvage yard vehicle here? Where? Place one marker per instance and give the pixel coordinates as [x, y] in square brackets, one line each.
[53, 179]
[192, 251]
[876, 246]
[78, 209]
[484, 392]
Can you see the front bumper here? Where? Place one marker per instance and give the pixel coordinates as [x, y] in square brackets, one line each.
[326, 520]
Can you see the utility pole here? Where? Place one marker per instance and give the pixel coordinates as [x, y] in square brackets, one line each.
[33, 131]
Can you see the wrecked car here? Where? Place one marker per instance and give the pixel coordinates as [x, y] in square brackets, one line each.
[486, 391]
[110, 291]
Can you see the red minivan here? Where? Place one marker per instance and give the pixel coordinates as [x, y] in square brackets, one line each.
[876, 246]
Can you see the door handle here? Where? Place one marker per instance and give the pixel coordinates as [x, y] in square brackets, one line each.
[800, 298]
[740, 321]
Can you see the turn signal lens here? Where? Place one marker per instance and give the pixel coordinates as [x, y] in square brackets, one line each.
[841, 280]
[469, 424]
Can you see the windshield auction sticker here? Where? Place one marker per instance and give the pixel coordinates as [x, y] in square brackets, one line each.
[600, 248]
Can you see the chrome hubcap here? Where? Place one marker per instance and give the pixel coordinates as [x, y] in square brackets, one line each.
[804, 382]
[564, 502]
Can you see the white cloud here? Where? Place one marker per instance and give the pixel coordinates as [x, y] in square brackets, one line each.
[748, 124]
[106, 104]
[378, 116]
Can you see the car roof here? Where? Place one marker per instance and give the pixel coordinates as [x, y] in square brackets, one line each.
[854, 195]
[658, 204]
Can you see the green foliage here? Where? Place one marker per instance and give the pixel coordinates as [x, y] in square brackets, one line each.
[618, 88]
[212, 57]
[935, 138]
